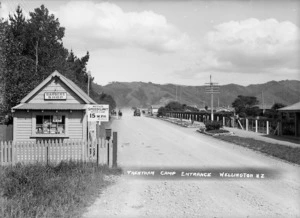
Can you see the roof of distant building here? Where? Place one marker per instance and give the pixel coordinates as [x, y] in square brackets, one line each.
[294, 107]
[156, 106]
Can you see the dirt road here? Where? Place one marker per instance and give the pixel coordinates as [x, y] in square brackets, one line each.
[149, 146]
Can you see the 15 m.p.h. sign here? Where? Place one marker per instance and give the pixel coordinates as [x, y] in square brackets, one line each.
[98, 112]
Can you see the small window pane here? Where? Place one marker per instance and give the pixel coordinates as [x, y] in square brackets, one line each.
[39, 119]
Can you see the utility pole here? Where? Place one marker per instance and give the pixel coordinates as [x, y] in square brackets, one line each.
[212, 88]
[263, 101]
[180, 94]
[176, 92]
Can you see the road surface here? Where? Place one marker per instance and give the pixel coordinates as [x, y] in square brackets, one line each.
[147, 145]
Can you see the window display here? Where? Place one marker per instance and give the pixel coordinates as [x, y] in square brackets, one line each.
[49, 124]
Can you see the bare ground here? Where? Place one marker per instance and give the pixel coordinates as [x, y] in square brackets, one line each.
[154, 144]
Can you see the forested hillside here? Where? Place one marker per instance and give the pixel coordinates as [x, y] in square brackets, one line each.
[144, 94]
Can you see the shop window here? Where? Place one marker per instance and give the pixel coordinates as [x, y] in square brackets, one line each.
[50, 124]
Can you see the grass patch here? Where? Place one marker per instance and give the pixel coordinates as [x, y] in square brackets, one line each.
[291, 154]
[50, 191]
[216, 131]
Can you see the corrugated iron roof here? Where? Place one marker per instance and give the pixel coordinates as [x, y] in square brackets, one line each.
[50, 106]
[293, 107]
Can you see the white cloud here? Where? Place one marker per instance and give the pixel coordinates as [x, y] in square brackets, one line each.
[4, 12]
[256, 45]
[107, 25]
[266, 48]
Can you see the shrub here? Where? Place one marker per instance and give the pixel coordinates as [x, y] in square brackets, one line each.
[161, 112]
[213, 125]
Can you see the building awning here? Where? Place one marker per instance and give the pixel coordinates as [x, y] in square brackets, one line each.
[292, 108]
[50, 106]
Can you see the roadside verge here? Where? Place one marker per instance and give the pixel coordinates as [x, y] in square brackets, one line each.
[283, 152]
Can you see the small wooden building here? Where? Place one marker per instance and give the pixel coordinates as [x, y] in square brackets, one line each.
[153, 109]
[55, 109]
[295, 110]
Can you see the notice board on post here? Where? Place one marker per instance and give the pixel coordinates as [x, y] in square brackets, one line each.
[98, 112]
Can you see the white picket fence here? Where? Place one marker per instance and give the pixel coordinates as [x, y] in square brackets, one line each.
[56, 151]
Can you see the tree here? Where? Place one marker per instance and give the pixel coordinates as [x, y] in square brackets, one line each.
[17, 75]
[32, 50]
[104, 99]
[2, 61]
[174, 106]
[245, 105]
[29, 50]
[192, 109]
[161, 112]
[44, 42]
[277, 106]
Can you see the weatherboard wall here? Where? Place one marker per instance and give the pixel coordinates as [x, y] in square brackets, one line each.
[22, 126]
[25, 125]
[76, 125]
[55, 85]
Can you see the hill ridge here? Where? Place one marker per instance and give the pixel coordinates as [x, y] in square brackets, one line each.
[143, 94]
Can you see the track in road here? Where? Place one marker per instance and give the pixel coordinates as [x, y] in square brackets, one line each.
[155, 144]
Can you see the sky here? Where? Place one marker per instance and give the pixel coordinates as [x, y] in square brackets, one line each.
[180, 42]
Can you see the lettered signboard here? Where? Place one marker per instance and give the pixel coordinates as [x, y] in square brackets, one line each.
[98, 112]
[55, 95]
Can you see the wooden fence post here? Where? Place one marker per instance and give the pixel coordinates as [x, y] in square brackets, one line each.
[115, 149]
[5, 152]
[108, 153]
[256, 125]
[98, 151]
[1, 152]
[47, 152]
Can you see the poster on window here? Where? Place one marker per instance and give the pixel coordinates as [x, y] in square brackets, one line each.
[98, 112]
[57, 119]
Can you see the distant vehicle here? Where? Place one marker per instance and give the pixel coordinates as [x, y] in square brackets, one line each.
[137, 112]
